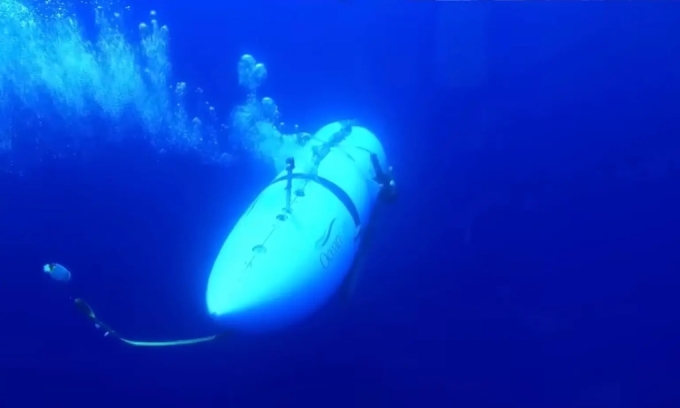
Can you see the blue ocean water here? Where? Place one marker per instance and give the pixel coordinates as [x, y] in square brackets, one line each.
[530, 260]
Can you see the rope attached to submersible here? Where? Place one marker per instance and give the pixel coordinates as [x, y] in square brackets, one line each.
[84, 308]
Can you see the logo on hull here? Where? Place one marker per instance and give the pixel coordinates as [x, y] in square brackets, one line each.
[326, 257]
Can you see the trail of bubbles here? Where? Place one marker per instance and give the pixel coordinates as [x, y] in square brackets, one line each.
[62, 93]
[256, 125]
[53, 78]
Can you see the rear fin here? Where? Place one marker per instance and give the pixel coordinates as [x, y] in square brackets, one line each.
[366, 236]
[349, 284]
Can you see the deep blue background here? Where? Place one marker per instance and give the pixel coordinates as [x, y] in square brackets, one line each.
[531, 260]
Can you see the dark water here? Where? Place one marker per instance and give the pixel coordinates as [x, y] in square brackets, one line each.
[530, 262]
